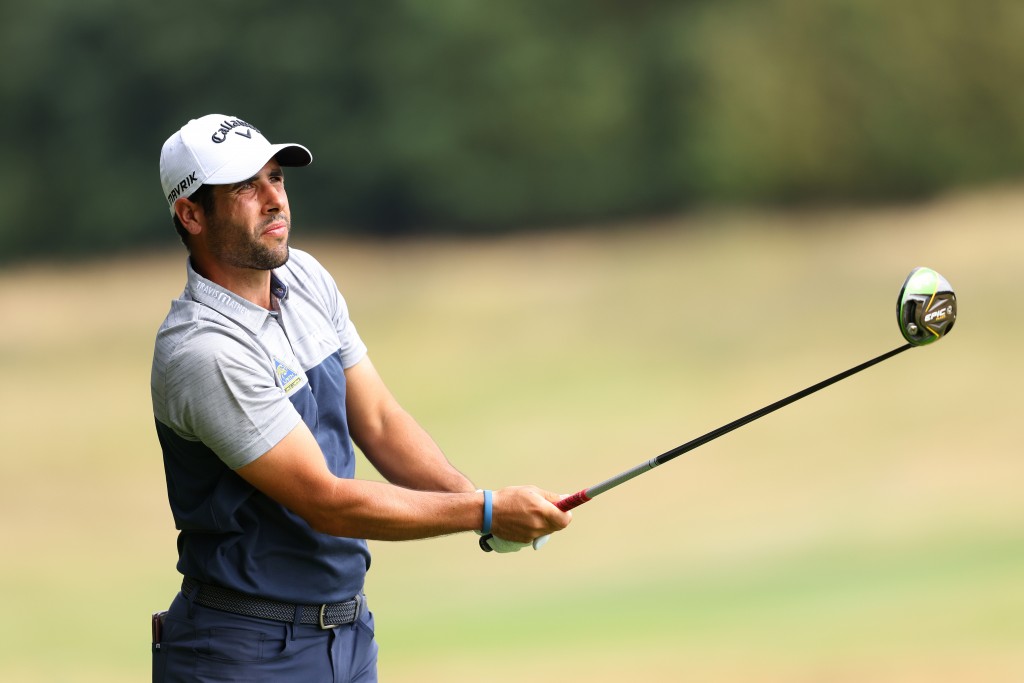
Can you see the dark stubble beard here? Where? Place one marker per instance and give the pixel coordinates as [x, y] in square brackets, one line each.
[240, 249]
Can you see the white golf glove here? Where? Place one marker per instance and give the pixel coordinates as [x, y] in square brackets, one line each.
[500, 545]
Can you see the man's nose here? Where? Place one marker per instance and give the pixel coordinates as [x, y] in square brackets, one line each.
[274, 197]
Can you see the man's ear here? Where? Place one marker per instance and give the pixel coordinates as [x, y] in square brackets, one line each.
[190, 214]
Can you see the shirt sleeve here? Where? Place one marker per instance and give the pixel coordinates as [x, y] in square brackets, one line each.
[222, 391]
[352, 348]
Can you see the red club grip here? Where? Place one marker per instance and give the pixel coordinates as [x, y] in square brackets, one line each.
[573, 501]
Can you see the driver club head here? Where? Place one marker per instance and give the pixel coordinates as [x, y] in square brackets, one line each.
[926, 308]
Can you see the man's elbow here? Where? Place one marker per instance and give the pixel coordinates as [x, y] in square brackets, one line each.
[319, 510]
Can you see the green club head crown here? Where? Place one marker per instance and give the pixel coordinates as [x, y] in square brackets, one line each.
[926, 307]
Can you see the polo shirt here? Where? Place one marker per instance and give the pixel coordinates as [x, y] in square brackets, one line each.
[229, 380]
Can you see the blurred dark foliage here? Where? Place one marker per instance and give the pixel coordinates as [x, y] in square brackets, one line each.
[460, 116]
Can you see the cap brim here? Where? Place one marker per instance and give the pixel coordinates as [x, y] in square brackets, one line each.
[292, 154]
[243, 168]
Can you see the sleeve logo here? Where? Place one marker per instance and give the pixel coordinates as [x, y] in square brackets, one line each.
[286, 377]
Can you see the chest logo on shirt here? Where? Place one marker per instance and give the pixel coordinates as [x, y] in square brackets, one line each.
[288, 378]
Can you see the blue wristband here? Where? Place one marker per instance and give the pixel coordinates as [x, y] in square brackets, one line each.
[488, 511]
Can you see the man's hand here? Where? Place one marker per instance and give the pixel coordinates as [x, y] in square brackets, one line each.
[525, 513]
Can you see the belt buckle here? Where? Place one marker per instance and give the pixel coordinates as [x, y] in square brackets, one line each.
[323, 626]
[360, 601]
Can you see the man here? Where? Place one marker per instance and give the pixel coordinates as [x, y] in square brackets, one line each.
[260, 384]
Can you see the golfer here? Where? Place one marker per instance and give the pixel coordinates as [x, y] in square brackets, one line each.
[260, 386]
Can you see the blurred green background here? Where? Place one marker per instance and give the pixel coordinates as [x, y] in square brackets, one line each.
[574, 235]
[462, 117]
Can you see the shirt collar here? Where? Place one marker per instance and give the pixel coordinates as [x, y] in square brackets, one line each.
[229, 304]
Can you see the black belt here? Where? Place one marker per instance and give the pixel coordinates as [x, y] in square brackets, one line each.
[325, 616]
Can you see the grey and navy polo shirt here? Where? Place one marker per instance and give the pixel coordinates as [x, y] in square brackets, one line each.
[230, 379]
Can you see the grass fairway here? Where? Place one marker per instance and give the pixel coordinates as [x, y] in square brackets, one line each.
[872, 532]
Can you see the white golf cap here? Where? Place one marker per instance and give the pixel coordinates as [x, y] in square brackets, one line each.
[219, 150]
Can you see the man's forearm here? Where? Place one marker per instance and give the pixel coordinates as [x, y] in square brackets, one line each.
[406, 455]
[378, 511]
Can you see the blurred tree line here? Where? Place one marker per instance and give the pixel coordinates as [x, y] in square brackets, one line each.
[472, 116]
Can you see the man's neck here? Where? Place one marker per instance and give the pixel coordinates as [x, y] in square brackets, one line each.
[250, 284]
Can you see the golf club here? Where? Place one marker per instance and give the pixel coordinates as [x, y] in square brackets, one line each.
[926, 312]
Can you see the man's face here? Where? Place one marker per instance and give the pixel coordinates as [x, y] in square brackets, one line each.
[250, 221]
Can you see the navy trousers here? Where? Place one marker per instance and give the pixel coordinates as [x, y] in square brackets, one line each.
[201, 644]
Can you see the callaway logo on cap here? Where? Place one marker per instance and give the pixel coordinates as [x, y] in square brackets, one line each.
[219, 150]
